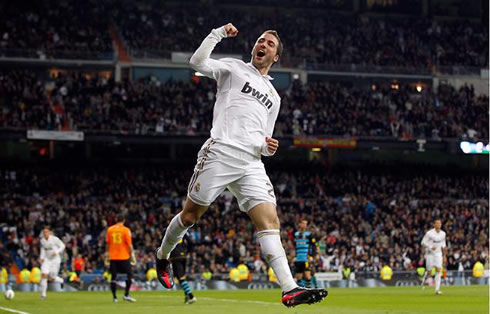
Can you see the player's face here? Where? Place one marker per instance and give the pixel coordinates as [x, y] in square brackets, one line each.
[264, 52]
[303, 224]
[46, 233]
[437, 224]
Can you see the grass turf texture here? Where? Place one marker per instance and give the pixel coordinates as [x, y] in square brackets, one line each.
[469, 299]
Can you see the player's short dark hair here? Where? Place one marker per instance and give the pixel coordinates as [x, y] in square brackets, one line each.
[120, 217]
[47, 227]
[437, 218]
[275, 34]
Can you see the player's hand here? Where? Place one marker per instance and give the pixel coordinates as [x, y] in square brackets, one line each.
[107, 262]
[55, 253]
[133, 260]
[231, 30]
[272, 144]
[433, 248]
[41, 260]
[444, 260]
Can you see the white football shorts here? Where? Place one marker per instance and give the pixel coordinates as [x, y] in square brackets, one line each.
[433, 261]
[51, 267]
[219, 167]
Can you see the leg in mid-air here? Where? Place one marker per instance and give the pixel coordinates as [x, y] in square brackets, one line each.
[265, 218]
[175, 232]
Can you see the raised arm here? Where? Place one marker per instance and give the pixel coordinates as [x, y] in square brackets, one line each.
[201, 61]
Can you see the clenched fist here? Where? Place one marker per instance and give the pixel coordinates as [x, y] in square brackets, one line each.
[272, 144]
[230, 30]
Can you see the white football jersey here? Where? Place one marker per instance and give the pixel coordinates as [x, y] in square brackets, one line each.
[51, 245]
[247, 105]
[434, 239]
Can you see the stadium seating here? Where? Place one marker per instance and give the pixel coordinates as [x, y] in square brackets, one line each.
[149, 107]
[362, 218]
[55, 30]
[51, 31]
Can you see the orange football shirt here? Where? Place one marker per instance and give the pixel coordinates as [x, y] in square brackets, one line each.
[119, 239]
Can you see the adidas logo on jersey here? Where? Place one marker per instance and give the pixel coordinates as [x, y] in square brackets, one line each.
[262, 98]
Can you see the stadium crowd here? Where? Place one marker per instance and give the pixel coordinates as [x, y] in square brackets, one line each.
[313, 37]
[149, 107]
[362, 219]
[54, 30]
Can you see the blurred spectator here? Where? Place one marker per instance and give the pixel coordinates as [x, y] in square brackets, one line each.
[148, 107]
[81, 203]
[54, 29]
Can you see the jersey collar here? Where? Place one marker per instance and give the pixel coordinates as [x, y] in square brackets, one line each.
[267, 76]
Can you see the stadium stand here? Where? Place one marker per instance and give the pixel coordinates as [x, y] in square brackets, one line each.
[363, 218]
[148, 106]
[54, 30]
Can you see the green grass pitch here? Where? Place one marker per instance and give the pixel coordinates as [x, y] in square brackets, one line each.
[469, 299]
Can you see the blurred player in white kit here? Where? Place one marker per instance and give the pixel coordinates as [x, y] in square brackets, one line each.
[434, 243]
[51, 250]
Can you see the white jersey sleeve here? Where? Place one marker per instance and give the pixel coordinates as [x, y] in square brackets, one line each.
[425, 239]
[201, 61]
[59, 245]
[43, 251]
[270, 129]
[444, 240]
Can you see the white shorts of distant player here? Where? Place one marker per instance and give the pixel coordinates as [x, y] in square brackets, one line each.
[51, 267]
[433, 261]
[219, 167]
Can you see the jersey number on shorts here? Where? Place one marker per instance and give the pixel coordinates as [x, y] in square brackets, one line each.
[117, 238]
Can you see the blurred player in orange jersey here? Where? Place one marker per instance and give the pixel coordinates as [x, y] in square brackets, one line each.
[120, 255]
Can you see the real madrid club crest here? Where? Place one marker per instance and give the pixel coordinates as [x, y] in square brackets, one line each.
[198, 187]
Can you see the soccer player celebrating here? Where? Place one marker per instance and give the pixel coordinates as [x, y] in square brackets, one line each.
[434, 242]
[179, 260]
[51, 250]
[244, 116]
[305, 246]
[120, 255]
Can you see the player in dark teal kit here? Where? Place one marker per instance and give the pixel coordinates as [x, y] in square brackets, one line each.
[305, 247]
[179, 261]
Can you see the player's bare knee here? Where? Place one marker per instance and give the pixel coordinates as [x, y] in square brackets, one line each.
[44, 276]
[188, 218]
[191, 213]
[264, 216]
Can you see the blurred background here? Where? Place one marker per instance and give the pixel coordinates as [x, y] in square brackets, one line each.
[383, 127]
